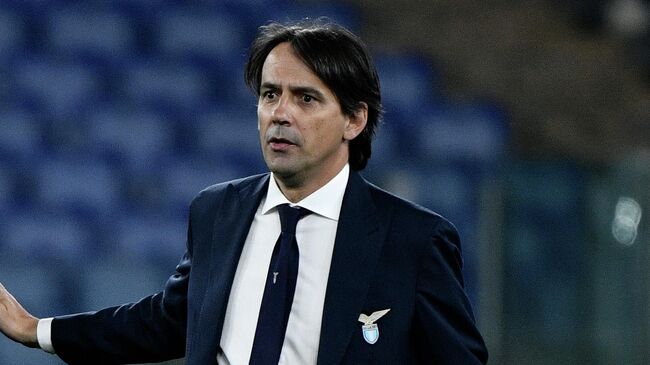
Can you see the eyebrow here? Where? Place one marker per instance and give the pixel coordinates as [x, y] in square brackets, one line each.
[294, 89]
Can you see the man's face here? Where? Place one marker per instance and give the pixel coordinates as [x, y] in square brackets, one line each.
[303, 132]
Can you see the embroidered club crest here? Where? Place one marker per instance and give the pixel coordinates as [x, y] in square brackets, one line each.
[370, 330]
[370, 333]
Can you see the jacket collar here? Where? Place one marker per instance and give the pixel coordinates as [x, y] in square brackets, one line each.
[230, 228]
[356, 250]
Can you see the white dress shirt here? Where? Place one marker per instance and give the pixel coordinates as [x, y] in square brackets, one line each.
[315, 235]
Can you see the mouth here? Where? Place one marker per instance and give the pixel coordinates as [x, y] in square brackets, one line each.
[280, 144]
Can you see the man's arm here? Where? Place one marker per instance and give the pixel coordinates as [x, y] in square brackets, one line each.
[151, 330]
[15, 322]
[441, 304]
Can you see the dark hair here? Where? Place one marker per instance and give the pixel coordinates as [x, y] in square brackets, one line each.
[339, 58]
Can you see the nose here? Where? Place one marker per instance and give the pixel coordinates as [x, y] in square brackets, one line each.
[281, 113]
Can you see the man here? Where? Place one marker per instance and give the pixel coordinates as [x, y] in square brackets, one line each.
[359, 276]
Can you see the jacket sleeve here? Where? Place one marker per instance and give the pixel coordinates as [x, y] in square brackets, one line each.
[151, 330]
[444, 327]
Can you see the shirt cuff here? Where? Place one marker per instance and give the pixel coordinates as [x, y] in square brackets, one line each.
[44, 335]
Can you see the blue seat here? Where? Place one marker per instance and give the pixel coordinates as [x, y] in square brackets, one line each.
[461, 133]
[37, 234]
[6, 187]
[12, 35]
[136, 136]
[77, 184]
[407, 82]
[184, 178]
[228, 131]
[21, 135]
[227, 78]
[62, 87]
[90, 31]
[149, 236]
[211, 34]
[154, 82]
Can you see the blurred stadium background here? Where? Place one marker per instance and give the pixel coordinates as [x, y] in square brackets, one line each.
[527, 123]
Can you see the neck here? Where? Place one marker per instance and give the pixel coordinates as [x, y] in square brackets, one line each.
[295, 188]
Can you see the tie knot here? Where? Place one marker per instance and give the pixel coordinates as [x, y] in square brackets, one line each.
[289, 217]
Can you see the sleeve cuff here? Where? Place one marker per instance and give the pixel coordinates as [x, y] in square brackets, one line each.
[44, 335]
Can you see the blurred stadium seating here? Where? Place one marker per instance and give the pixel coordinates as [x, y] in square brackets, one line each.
[113, 115]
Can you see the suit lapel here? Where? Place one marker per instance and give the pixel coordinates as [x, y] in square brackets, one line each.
[356, 251]
[231, 226]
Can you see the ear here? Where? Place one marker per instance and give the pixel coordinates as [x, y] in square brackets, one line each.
[356, 122]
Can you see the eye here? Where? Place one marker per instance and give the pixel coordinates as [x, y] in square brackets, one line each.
[307, 98]
[269, 95]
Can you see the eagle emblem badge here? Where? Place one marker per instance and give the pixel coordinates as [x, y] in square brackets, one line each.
[369, 329]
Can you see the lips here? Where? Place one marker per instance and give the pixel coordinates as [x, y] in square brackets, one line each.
[280, 144]
[280, 140]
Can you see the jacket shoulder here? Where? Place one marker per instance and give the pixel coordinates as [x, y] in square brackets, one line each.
[404, 207]
[414, 220]
[216, 192]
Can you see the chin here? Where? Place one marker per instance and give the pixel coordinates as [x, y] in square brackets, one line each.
[281, 168]
[283, 171]
[290, 175]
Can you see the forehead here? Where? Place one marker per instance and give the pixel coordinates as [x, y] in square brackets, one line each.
[283, 66]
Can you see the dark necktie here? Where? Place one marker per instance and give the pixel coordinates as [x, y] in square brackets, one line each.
[279, 290]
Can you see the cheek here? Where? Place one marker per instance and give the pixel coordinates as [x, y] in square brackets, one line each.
[331, 129]
[317, 132]
[326, 136]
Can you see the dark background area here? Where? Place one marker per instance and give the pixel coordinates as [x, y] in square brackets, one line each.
[526, 123]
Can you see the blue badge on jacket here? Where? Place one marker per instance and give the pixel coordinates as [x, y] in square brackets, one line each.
[370, 330]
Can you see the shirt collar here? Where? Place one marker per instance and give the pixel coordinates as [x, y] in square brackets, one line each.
[325, 201]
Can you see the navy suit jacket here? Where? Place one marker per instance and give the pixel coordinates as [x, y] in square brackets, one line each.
[388, 253]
